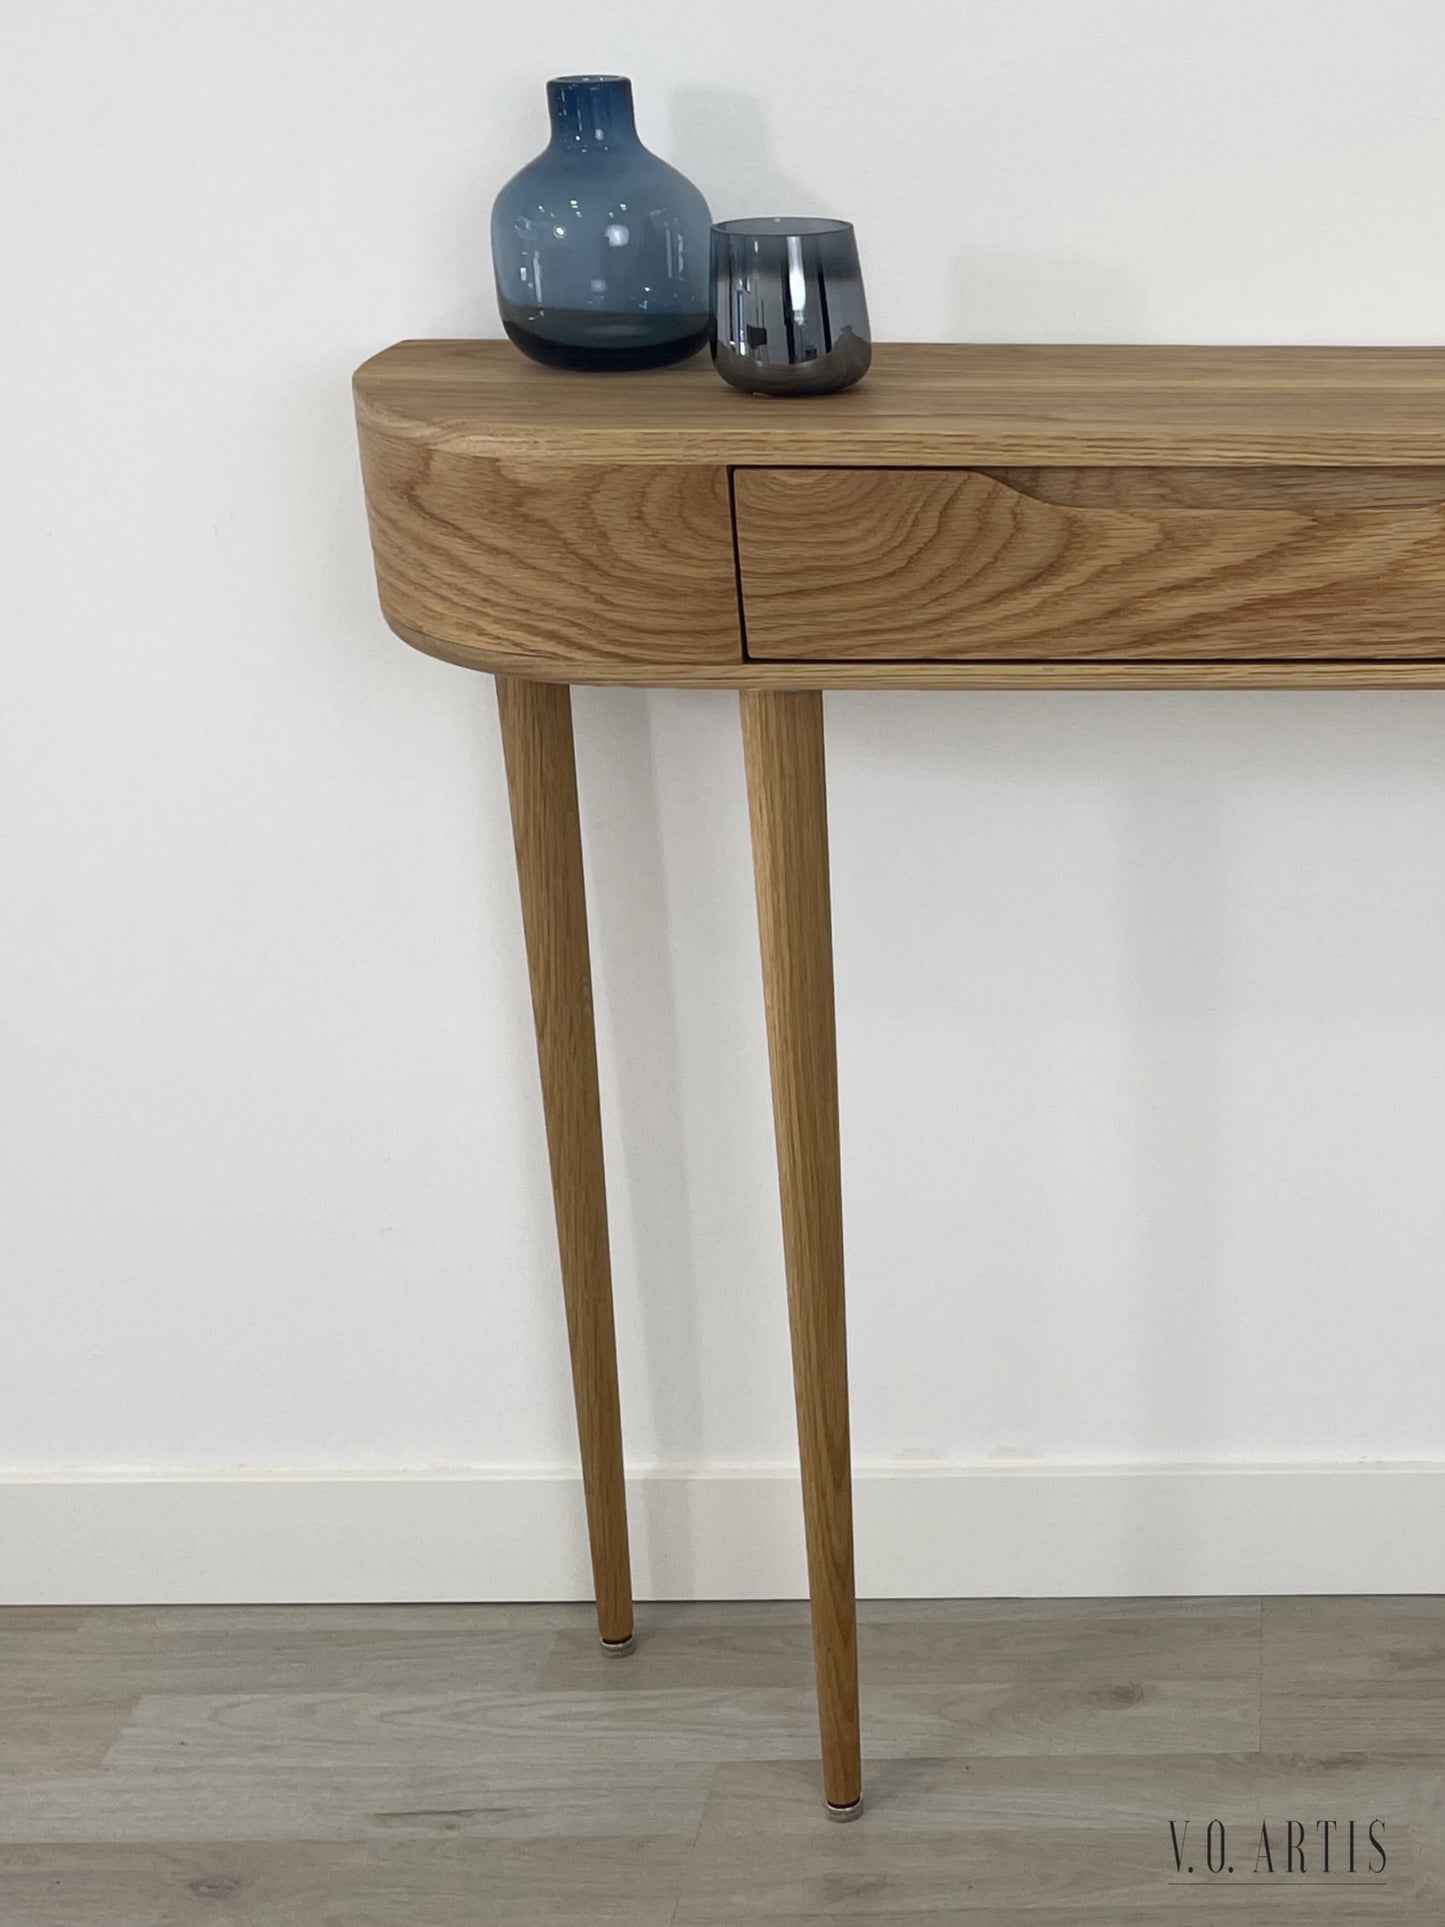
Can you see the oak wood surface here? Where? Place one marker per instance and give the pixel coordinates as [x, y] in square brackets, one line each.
[563, 562]
[1229, 488]
[570, 528]
[787, 804]
[951, 404]
[982, 673]
[536, 721]
[927, 563]
[392, 1798]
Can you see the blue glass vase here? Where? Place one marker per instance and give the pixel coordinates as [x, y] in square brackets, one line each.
[600, 248]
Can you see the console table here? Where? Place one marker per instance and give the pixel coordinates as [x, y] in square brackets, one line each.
[981, 517]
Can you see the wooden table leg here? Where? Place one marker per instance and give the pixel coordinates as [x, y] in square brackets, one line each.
[787, 801]
[542, 784]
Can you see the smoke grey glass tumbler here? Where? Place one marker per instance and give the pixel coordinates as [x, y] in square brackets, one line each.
[788, 313]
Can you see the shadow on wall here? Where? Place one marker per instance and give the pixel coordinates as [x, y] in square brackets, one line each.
[648, 1185]
[1171, 886]
[465, 236]
[994, 294]
[722, 140]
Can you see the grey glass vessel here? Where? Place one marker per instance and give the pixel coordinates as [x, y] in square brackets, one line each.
[600, 248]
[788, 312]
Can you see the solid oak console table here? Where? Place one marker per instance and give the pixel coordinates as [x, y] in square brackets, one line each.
[983, 517]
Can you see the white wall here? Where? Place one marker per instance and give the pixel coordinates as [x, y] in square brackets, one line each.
[1142, 997]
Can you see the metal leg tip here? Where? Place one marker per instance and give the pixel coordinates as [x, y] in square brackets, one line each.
[617, 1647]
[844, 1813]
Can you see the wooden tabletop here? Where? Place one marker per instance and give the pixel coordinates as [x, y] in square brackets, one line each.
[931, 404]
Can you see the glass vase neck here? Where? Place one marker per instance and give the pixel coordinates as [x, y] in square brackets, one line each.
[591, 111]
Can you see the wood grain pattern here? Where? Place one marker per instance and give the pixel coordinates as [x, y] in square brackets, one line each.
[59, 1731]
[536, 722]
[945, 404]
[1087, 1875]
[927, 563]
[532, 522]
[1356, 1673]
[1014, 1642]
[609, 1882]
[210, 1650]
[422, 1800]
[1020, 673]
[333, 1789]
[787, 803]
[563, 563]
[1036, 1793]
[603, 1728]
[1229, 488]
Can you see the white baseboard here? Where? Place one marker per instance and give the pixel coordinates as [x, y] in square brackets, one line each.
[720, 1534]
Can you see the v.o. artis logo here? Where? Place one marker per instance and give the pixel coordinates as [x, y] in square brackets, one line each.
[1298, 1850]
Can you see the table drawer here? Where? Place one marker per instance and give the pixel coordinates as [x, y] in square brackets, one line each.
[839, 564]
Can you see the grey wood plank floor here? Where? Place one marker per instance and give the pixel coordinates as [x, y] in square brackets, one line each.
[1027, 1761]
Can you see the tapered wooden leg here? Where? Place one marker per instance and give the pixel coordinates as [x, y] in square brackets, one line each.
[542, 783]
[783, 749]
